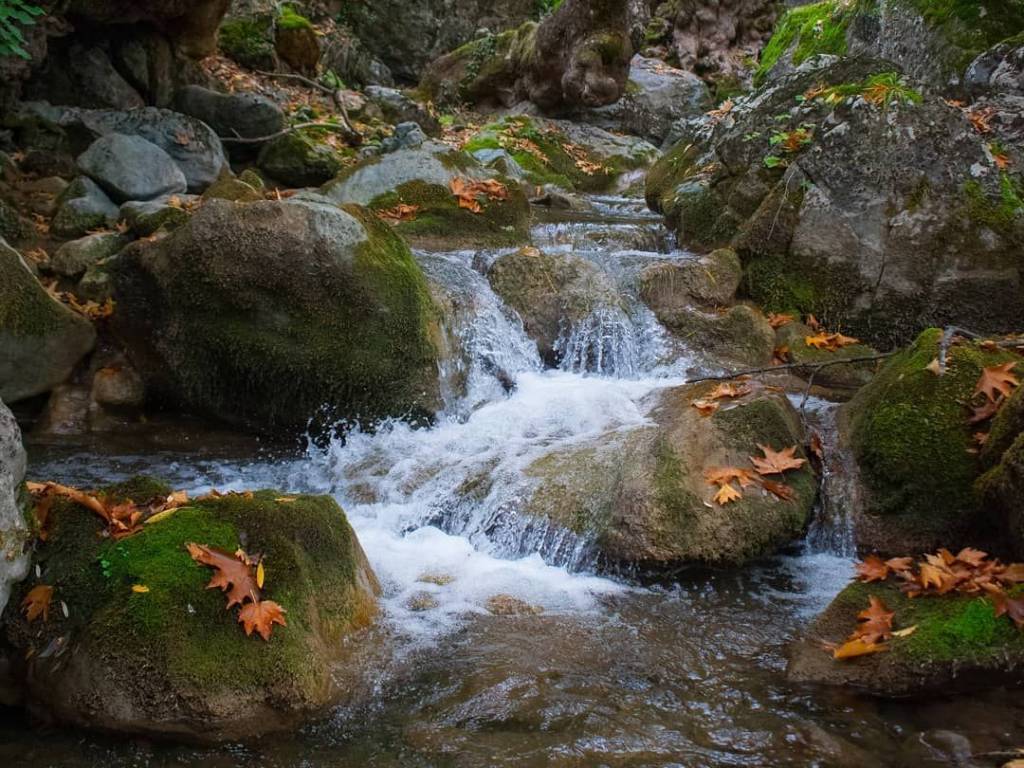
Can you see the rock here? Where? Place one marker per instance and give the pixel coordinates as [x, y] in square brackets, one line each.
[671, 286]
[640, 495]
[192, 144]
[552, 293]
[76, 256]
[273, 313]
[248, 115]
[297, 160]
[999, 69]
[507, 605]
[877, 220]
[14, 533]
[249, 41]
[1001, 488]
[656, 96]
[81, 207]
[227, 187]
[793, 338]
[66, 412]
[398, 108]
[572, 156]
[406, 136]
[42, 195]
[147, 61]
[96, 284]
[131, 168]
[421, 178]
[959, 645]
[937, 748]
[406, 38]
[83, 77]
[909, 433]
[144, 217]
[118, 388]
[346, 56]
[171, 661]
[11, 225]
[191, 24]
[41, 340]
[296, 41]
[739, 335]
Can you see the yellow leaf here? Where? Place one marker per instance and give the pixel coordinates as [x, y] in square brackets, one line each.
[261, 574]
[857, 647]
[934, 367]
[161, 516]
[905, 632]
[727, 494]
[140, 589]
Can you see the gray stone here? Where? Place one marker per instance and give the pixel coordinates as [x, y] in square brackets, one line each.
[147, 216]
[131, 168]
[84, 77]
[76, 256]
[41, 340]
[242, 114]
[406, 136]
[83, 206]
[396, 107]
[296, 160]
[14, 532]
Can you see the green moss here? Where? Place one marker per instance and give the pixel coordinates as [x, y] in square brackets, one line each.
[290, 18]
[1002, 214]
[500, 223]
[178, 633]
[813, 29]
[248, 41]
[300, 159]
[972, 26]
[11, 227]
[910, 435]
[26, 310]
[670, 170]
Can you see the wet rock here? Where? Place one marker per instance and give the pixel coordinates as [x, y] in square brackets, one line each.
[76, 256]
[640, 495]
[881, 221]
[711, 280]
[1001, 488]
[959, 645]
[552, 293]
[41, 340]
[239, 114]
[66, 412]
[118, 388]
[14, 561]
[507, 605]
[297, 160]
[421, 178]
[656, 96]
[397, 108]
[273, 313]
[131, 168]
[81, 207]
[153, 663]
[938, 748]
[792, 338]
[909, 432]
[739, 335]
[421, 601]
[144, 217]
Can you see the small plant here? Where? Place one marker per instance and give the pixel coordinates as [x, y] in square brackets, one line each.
[547, 7]
[15, 14]
[882, 90]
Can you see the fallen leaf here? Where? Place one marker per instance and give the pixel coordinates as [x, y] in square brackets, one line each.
[37, 603]
[985, 411]
[996, 381]
[260, 616]
[934, 367]
[776, 462]
[399, 213]
[779, 320]
[780, 355]
[724, 475]
[857, 647]
[907, 632]
[261, 574]
[140, 589]
[730, 390]
[727, 494]
[779, 490]
[705, 407]
[231, 574]
[872, 568]
[830, 342]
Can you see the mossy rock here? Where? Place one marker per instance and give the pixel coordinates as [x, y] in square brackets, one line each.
[147, 649]
[641, 497]
[914, 448]
[273, 313]
[296, 40]
[441, 222]
[739, 335]
[249, 42]
[806, 31]
[299, 160]
[849, 376]
[711, 280]
[1001, 490]
[959, 645]
[668, 172]
[146, 217]
[12, 228]
[228, 187]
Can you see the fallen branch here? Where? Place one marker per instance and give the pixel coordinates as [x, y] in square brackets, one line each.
[815, 367]
[337, 97]
[284, 132]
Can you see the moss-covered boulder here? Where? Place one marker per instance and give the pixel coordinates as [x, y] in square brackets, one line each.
[571, 156]
[552, 293]
[917, 458]
[268, 314]
[1001, 488]
[145, 648]
[41, 340]
[738, 335]
[76, 256]
[851, 195]
[81, 207]
[422, 178]
[295, 40]
[959, 644]
[673, 285]
[300, 160]
[791, 343]
[641, 496]
[146, 217]
[249, 41]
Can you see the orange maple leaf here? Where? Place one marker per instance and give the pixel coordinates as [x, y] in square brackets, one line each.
[872, 568]
[725, 475]
[37, 603]
[705, 407]
[231, 573]
[727, 494]
[261, 616]
[779, 490]
[996, 381]
[776, 462]
[730, 390]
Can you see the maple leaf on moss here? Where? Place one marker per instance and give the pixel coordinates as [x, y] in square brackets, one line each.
[727, 494]
[231, 574]
[260, 616]
[37, 603]
[996, 382]
[776, 462]
[724, 475]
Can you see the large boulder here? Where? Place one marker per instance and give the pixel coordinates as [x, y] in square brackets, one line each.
[83, 206]
[297, 160]
[552, 293]
[876, 209]
[14, 532]
[269, 314]
[143, 647]
[959, 644]
[419, 181]
[917, 458]
[41, 340]
[131, 168]
[641, 496]
[240, 114]
[655, 97]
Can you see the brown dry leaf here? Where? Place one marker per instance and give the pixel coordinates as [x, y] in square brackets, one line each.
[830, 342]
[776, 462]
[399, 213]
[725, 475]
[231, 574]
[857, 647]
[468, 192]
[981, 119]
[780, 355]
[876, 621]
[934, 367]
[872, 568]
[37, 603]
[727, 494]
[985, 411]
[730, 390]
[996, 381]
[723, 109]
[812, 322]
[261, 615]
[779, 490]
[705, 407]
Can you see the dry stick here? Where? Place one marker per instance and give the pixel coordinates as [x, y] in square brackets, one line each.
[285, 132]
[335, 95]
[789, 366]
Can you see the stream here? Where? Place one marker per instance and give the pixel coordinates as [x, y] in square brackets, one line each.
[611, 672]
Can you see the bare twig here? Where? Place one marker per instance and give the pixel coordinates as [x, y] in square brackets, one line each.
[336, 95]
[285, 132]
[815, 367]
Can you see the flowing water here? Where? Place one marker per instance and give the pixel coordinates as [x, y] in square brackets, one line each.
[611, 672]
